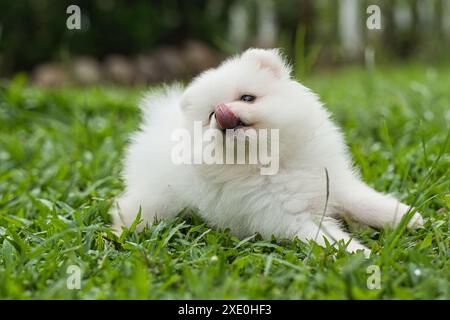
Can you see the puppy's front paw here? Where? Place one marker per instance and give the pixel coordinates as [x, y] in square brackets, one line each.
[117, 219]
[355, 246]
[416, 221]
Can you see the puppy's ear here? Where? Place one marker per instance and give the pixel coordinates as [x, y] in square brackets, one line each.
[270, 59]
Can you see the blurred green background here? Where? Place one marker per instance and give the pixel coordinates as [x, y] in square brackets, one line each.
[150, 41]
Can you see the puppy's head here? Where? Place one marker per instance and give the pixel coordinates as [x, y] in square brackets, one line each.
[251, 90]
[254, 90]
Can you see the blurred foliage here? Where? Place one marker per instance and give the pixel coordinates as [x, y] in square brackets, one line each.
[33, 32]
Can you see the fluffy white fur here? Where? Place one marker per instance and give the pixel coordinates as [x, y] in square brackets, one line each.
[288, 204]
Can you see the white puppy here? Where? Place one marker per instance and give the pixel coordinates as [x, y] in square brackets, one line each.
[314, 185]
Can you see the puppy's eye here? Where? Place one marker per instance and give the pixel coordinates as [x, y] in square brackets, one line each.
[211, 114]
[247, 98]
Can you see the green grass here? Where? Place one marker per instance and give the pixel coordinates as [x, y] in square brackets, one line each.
[60, 160]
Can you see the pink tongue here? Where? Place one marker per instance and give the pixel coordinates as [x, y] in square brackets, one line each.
[226, 119]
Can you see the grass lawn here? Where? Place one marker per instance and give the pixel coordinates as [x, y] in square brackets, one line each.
[60, 163]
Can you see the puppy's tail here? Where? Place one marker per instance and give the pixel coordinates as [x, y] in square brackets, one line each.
[160, 102]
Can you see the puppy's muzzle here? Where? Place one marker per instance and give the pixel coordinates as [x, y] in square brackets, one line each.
[226, 119]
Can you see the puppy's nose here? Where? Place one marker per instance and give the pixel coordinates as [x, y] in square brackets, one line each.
[226, 119]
